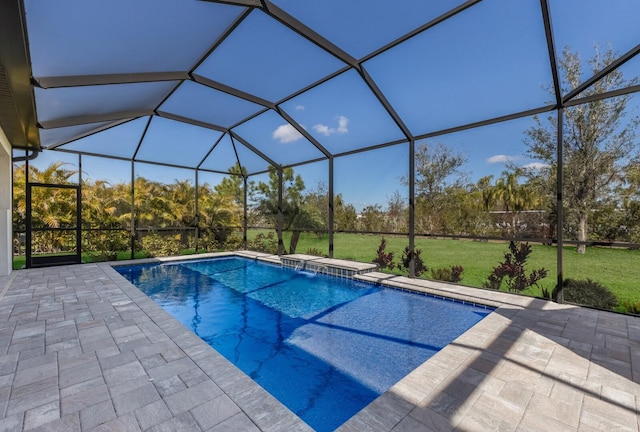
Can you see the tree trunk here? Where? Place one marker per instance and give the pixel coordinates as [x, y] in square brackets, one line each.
[295, 236]
[582, 233]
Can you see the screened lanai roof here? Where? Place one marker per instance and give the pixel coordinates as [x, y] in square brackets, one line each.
[206, 84]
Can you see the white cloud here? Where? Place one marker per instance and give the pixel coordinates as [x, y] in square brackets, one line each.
[327, 131]
[342, 124]
[286, 133]
[501, 159]
[323, 129]
[535, 166]
[299, 107]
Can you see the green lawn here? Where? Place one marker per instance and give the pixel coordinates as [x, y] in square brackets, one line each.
[617, 269]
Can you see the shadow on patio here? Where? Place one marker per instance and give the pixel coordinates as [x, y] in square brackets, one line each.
[540, 368]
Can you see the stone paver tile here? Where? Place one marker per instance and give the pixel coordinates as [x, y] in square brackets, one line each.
[193, 376]
[81, 373]
[8, 363]
[169, 386]
[74, 358]
[238, 422]
[130, 345]
[181, 422]
[189, 398]
[38, 373]
[32, 400]
[93, 333]
[126, 423]
[407, 424]
[83, 399]
[98, 345]
[80, 387]
[536, 422]
[172, 368]
[603, 415]
[97, 414]
[69, 356]
[565, 411]
[123, 373]
[477, 419]
[34, 387]
[135, 399]
[448, 406]
[69, 423]
[516, 394]
[58, 335]
[129, 386]
[117, 360]
[50, 358]
[431, 419]
[12, 423]
[40, 415]
[152, 414]
[509, 411]
[152, 361]
[215, 411]
[28, 330]
[390, 408]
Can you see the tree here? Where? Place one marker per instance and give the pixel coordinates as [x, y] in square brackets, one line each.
[598, 138]
[233, 185]
[397, 214]
[514, 196]
[372, 218]
[345, 216]
[438, 169]
[295, 214]
[318, 201]
[217, 215]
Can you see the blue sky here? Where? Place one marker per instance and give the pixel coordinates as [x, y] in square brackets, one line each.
[488, 61]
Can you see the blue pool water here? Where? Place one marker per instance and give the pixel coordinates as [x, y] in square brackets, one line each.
[325, 347]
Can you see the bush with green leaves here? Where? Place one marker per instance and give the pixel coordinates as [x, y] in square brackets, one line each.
[384, 259]
[588, 293]
[512, 270]
[264, 243]
[453, 274]
[631, 307]
[314, 251]
[156, 245]
[104, 245]
[419, 266]
[233, 242]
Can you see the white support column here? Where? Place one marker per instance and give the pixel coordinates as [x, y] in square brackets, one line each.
[6, 234]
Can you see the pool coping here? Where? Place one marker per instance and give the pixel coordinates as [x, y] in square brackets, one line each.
[529, 365]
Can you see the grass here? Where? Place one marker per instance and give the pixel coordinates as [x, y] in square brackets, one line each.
[617, 269]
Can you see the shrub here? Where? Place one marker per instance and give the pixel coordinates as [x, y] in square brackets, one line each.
[233, 242]
[453, 274]
[383, 259]
[419, 266]
[314, 252]
[105, 245]
[156, 245]
[264, 243]
[631, 307]
[513, 269]
[588, 293]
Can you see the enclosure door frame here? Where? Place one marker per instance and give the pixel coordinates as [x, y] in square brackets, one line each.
[51, 260]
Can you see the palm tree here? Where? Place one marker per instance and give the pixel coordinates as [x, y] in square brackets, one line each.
[514, 196]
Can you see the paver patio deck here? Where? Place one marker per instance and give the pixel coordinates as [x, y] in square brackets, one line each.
[82, 349]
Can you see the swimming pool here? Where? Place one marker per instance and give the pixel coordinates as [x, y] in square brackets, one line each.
[324, 346]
